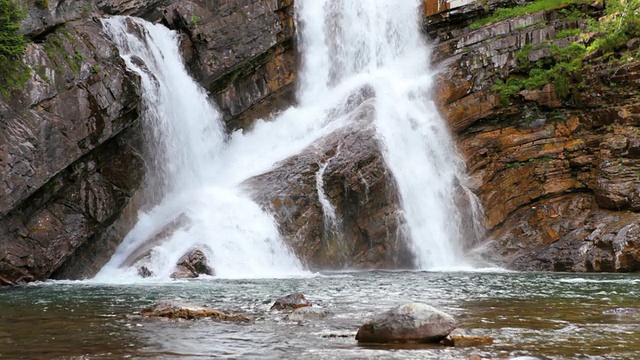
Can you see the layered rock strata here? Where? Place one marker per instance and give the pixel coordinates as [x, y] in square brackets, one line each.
[559, 178]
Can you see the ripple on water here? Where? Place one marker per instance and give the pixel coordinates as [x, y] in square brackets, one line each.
[557, 316]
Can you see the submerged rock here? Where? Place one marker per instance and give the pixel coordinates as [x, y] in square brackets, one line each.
[410, 323]
[461, 340]
[175, 310]
[309, 313]
[622, 311]
[192, 265]
[291, 302]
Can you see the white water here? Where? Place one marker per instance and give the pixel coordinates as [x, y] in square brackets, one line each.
[346, 45]
[197, 207]
[379, 42]
[330, 218]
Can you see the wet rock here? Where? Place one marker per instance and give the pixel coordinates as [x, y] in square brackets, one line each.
[291, 302]
[622, 311]
[342, 336]
[411, 323]
[309, 313]
[460, 340]
[367, 231]
[144, 272]
[175, 310]
[192, 265]
[4, 281]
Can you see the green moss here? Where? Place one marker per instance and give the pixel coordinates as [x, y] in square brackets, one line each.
[95, 69]
[568, 33]
[13, 72]
[533, 7]
[195, 20]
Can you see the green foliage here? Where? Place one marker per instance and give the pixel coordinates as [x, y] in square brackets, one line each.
[533, 7]
[13, 72]
[621, 23]
[95, 69]
[11, 42]
[568, 33]
[195, 20]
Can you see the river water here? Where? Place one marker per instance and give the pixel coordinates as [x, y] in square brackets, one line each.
[551, 316]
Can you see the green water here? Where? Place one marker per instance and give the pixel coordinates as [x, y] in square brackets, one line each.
[550, 316]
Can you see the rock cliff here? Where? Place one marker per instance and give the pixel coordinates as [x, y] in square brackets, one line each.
[559, 176]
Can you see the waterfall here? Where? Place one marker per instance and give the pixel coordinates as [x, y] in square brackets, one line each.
[196, 171]
[379, 42]
[195, 205]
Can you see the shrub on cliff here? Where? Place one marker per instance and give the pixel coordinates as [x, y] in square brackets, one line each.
[12, 43]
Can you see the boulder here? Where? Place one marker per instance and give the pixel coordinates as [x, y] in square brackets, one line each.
[410, 323]
[144, 272]
[291, 302]
[176, 310]
[309, 313]
[191, 265]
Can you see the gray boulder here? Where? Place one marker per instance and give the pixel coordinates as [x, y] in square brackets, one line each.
[410, 323]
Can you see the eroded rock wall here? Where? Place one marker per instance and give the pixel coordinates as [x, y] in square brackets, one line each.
[559, 179]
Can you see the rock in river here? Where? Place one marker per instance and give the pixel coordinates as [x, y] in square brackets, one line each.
[410, 323]
[176, 310]
[291, 302]
[309, 313]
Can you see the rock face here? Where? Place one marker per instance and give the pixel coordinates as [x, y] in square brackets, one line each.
[347, 168]
[68, 142]
[174, 310]
[70, 155]
[558, 178]
[411, 323]
[291, 302]
[242, 52]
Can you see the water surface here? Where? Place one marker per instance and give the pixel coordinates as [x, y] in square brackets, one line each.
[552, 316]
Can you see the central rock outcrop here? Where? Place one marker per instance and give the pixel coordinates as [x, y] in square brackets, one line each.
[348, 169]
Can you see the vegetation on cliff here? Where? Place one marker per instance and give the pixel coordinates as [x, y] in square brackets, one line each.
[571, 50]
[12, 71]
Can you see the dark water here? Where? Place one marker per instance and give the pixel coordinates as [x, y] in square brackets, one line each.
[551, 316]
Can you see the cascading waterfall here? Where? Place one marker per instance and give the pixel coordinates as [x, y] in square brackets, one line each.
[379, 43]
[197, 209]
[347, 46]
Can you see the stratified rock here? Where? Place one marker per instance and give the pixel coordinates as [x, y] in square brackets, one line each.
[411, 323]
[309, 313]
[291, 302]
[460, 340]
[192, 265]
[175, 310]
